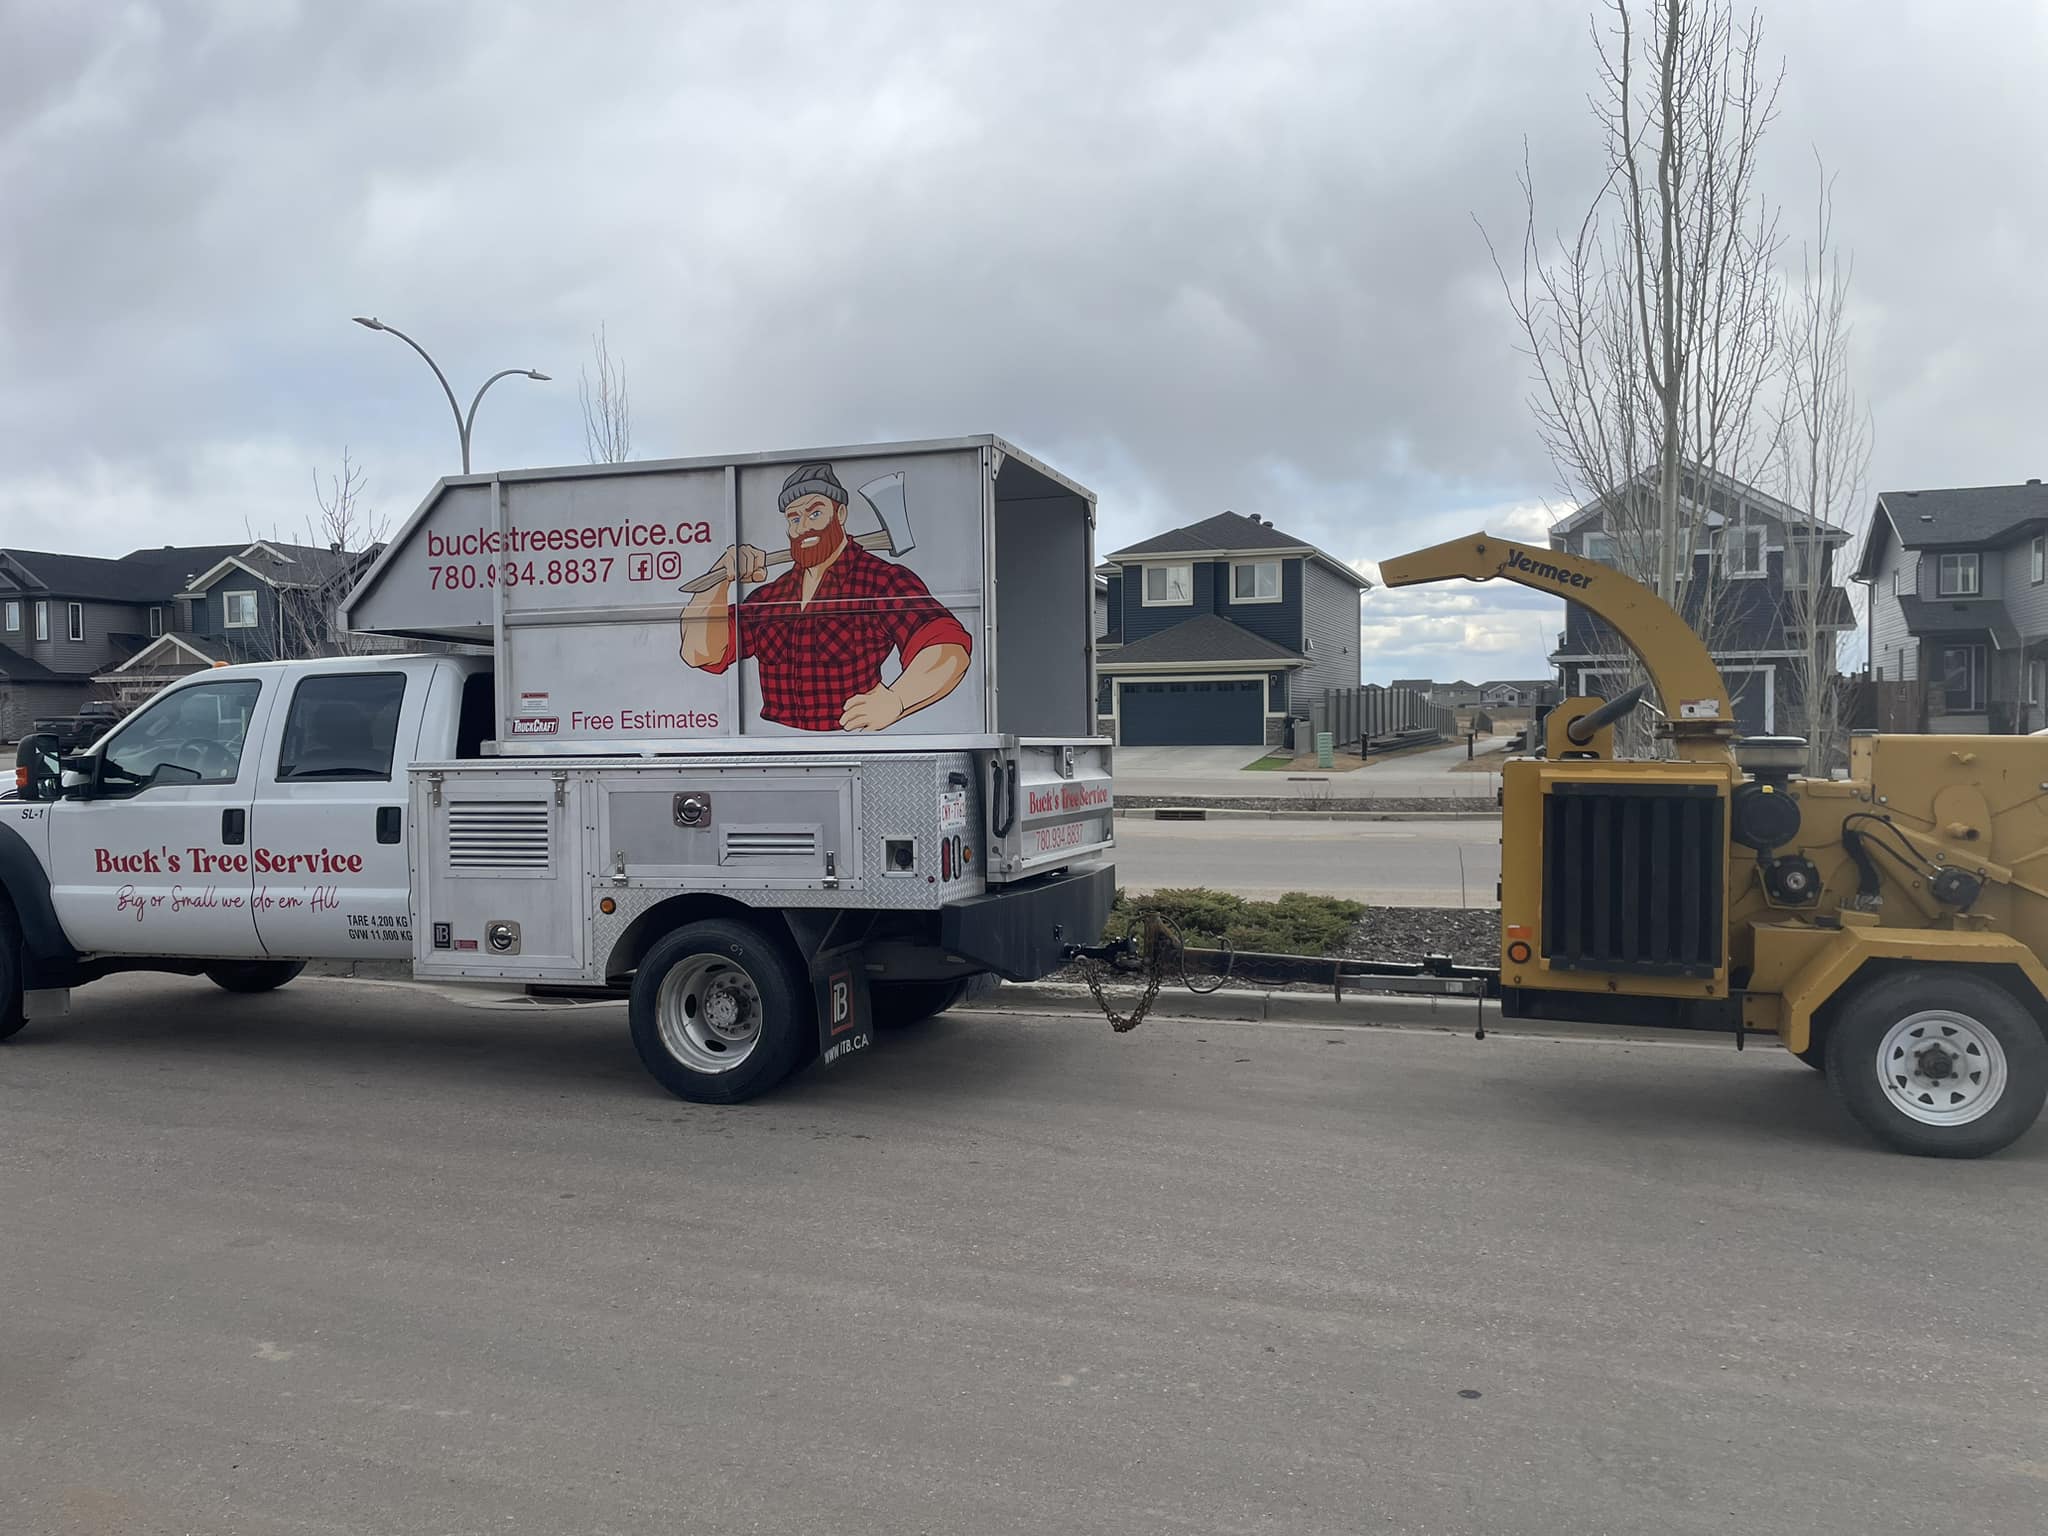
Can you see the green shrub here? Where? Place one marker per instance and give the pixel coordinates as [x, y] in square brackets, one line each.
[1296, 924]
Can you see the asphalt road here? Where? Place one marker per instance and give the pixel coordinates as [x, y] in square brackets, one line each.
[353, 1259]
[1406, 863]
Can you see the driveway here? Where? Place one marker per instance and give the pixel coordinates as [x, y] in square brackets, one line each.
[1182, 763]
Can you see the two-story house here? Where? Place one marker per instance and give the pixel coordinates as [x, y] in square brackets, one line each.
[77, 626]
[1760, 570]
[1959, 605]
[1219, 631]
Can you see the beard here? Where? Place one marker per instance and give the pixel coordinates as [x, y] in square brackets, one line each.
[814, 549]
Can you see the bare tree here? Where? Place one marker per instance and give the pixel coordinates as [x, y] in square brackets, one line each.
[1823, 457]
[1652, 328]
[607, 409]
[338, 542]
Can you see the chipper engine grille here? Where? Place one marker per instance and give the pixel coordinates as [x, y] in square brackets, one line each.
[1632, 878]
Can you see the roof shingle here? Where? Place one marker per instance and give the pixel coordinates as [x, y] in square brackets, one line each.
[1206, 638]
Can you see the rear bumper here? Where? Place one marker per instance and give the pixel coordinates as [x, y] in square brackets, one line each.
[1021, 932]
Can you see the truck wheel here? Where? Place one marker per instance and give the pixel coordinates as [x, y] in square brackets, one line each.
[253, 975]
[720, 1013]
[1940, 1064]
[12, 1015]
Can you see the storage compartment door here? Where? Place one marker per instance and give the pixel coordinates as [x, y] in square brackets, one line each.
[1051, 804]
[500, 885]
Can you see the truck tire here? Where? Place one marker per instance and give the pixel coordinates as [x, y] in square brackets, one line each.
[12, 1014]
[1815, 1055]
[253, 975]
[720, 1012]
[1941, 1063]
[900, 1003]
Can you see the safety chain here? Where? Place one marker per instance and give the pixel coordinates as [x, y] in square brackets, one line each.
[1155, 974]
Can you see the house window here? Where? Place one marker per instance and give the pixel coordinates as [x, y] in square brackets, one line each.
[238, 610]
[1797, 563]
[1960, 575]
[1745, 548]
[156, 622]
[2038, 558]
[42, 620]
[74, 620]
[1257, 582]
[14, 618]
[1962, 679]
[1166, 586]
[1600, 546]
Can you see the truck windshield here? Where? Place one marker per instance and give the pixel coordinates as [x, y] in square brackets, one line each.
[192, 736]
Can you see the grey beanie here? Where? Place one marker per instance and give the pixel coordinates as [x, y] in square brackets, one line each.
[812, 480]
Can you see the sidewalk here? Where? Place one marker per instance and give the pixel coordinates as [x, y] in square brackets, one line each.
[1205, 775]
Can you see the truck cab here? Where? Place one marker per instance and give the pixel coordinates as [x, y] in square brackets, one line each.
[245, 814]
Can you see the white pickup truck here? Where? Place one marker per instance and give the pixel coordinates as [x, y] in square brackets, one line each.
[250, 819]
[772, 809]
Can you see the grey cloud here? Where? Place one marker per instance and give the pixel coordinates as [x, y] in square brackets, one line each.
[1201, 255]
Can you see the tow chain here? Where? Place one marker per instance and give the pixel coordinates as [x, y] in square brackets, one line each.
[1155, 974]
[1161, 937]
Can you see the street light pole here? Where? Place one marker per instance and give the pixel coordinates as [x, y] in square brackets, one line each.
[463, 425]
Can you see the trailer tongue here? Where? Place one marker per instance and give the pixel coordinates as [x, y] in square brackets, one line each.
[770, 738]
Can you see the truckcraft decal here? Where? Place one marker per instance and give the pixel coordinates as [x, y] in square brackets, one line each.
[820, 632]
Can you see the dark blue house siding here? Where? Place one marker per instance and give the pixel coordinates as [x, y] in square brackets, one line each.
[1278, 622]
[209, 618]
[1115, 634]
[1140, 621]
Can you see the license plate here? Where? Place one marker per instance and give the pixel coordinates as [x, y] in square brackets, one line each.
[953, 810]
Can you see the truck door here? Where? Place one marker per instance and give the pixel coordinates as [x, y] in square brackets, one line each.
[156, 861]
[328, 827]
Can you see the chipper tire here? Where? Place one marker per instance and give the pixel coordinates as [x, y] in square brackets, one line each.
[721, 1011]
[13, 1014]
[251, 976]
[1938, 1064]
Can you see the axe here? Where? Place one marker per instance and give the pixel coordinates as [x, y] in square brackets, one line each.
[885, 496]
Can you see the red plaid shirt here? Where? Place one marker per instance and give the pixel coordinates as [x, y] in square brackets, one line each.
[812, 660]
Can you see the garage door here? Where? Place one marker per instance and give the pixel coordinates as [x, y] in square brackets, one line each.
[1225, 714]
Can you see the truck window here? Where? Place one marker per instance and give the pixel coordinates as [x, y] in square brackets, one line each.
[478, 722]
[342, 726]
[192, 736]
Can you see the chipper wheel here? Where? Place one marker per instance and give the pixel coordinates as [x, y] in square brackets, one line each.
[1938, 1062]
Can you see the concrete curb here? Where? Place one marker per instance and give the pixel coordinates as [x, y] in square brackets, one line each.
[1216, 813]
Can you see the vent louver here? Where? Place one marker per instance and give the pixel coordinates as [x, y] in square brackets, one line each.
[499, 834]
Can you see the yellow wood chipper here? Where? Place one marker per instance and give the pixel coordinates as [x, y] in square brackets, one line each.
[1887, 927]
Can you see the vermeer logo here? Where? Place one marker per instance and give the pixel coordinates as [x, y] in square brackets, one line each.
[1543, 570]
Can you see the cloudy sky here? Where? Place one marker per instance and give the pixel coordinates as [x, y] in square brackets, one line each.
[1198, 255]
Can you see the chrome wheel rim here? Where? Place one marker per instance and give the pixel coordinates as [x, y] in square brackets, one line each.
[709, 1013]
[1942, 1068]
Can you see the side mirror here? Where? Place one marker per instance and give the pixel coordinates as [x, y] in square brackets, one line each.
[79, 774]
[36, 774]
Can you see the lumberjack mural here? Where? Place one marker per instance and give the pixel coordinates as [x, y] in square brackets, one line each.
[821, 632]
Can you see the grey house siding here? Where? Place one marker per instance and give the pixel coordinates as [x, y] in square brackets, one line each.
[1331, 621]
[1894, 654]
[96, 652]
[2025, 599]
